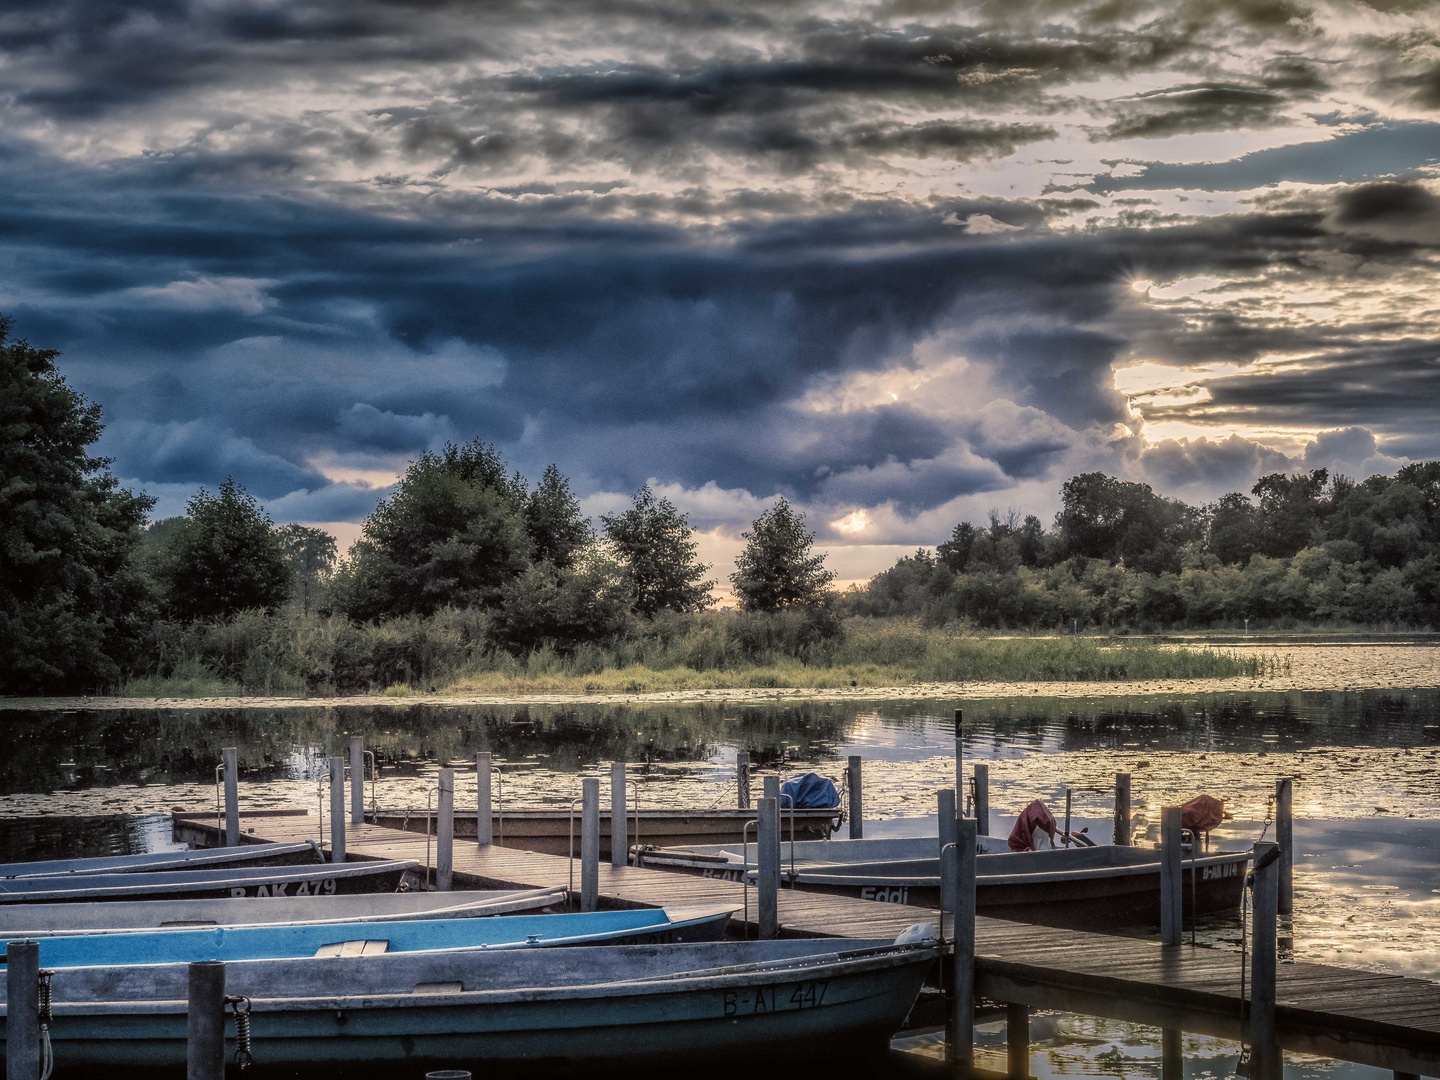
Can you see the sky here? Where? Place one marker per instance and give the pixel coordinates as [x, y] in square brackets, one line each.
[900, 262]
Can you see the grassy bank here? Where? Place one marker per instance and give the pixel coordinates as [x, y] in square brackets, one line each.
[719, 650]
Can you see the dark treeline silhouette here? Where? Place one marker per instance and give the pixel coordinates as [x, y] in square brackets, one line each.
[1306, 548]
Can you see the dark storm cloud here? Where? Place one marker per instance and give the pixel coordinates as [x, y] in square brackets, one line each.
[1211, 107]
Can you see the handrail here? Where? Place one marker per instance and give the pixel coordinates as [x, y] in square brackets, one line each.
[218, 829]
[944, 848]
[499, 803]
[792, 837]
[744, 866]
[428, 792]
[374, 776]
[631, 784]
[573, 803]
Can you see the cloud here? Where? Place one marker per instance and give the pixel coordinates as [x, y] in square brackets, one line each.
[363, 425]
[245, 295]
[1351, 451]
[1400, 212]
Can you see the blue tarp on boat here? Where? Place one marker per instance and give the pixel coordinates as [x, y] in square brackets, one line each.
[809, 792]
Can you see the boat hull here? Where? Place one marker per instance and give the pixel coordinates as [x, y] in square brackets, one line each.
[161, 861]
[327, 879]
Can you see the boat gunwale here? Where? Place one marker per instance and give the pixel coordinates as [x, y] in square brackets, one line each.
[217, 858]
[329, 870]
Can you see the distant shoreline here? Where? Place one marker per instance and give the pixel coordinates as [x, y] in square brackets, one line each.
[1332, 666]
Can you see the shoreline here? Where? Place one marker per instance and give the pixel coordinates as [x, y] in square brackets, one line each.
[1335, 667]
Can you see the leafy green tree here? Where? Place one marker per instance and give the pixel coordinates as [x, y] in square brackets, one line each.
[656, 546]
[585, 603]
[73, 601]
[558, 533]
[311, 555]
[453, 533]
[1234, 529]
[1105, 518]
[955, 552]
[776, 570]
[1291, 507]
[227, 558]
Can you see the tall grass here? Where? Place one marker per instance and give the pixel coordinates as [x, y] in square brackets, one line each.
[451, 653]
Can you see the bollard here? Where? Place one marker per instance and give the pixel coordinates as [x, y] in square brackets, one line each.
[1285, 837]
[767, 858]
[1017, 1041]
[742, 779]
[448, 1074]
[619, 828]
[857, 802]
[946, 800]
[1265, 1057]
[22, 1010]
[1122, 809]
[982, 799]
[357, 780]
[1172, 893]
[590, 843]
[232, 796]
[1172, 1060]
[337, 809]
[205, 1022]
[959, 758]
[445, 832]
[484, 816]
[771, 790]
[962, 980]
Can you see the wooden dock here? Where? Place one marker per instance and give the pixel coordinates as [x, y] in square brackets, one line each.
[1386, 1021]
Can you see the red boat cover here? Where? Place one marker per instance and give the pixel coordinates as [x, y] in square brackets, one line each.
[1035, 816]
[1202, 813]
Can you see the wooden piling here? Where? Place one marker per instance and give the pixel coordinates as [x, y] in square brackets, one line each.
[857, 801]
[1123, 829]
[22, 1010]
[205, 1022]
[768, 867]
[1172, 893]
[445, 832]
[357, 780]
[589, 843]
[484, 814]
[1172, 1058]
[230, 758]
[945, 798]
[619, 825]
[982, 798]
[1285, 837]
[337, 810]
[1017, 1041]
[1265, 1056]
[962, 993]
[742, 780]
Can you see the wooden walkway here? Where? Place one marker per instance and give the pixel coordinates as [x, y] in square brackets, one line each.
[1386, 1021]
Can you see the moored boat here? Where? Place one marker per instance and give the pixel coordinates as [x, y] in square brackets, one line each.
[326, 879]
[342, 939]
[622, 1006]
[57, 920]
[156, 861]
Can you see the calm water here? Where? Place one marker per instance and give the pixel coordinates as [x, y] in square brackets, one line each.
[1366, 769]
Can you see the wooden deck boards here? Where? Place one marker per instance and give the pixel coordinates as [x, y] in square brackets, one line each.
[1383, 1020]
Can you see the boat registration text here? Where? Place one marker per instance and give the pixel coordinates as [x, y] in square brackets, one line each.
[768, 999]
[281, 888]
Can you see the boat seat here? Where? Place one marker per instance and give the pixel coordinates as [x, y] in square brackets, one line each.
[353, 948]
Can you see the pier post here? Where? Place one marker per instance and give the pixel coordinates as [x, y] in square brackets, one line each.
[205, 1022]
[1017, 1041]
[445, 833]
[960, 759]
[619, 826]
[22, 1010]
[962, 993]
[590, 843]
[1265, 1057]
[1123, 829]
[484, 815]
[1172, 1058]
[946, 800]
[1172, 893]
[982, 798]
[1285, 837]
[742, 779]
[337, 809]
[767, 859]
[1069, 796]
[771, 790]
[857, 802]
[357, 780]
[232, 796]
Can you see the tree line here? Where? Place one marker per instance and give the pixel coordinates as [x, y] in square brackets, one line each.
[1307, 547]
[91, 590]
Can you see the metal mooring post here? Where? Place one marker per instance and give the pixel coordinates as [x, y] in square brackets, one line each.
[960, 758]
[982, 798]
[619, 823]
[1122, 809]
[484, 815]
[22, 1010]
[231, 762]
[857, 800]
[742, 780]
[962, 1016]
[1172, 893]
[445, 832]
[767, 858]
[945, 799]
[1285, 837]
[205, 1022]
[589, 843]
[1265, 1057]
[337, 810]
[771, 790]
[357, 780]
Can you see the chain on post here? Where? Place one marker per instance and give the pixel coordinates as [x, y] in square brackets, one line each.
[47, 1052]
[241, 1007]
